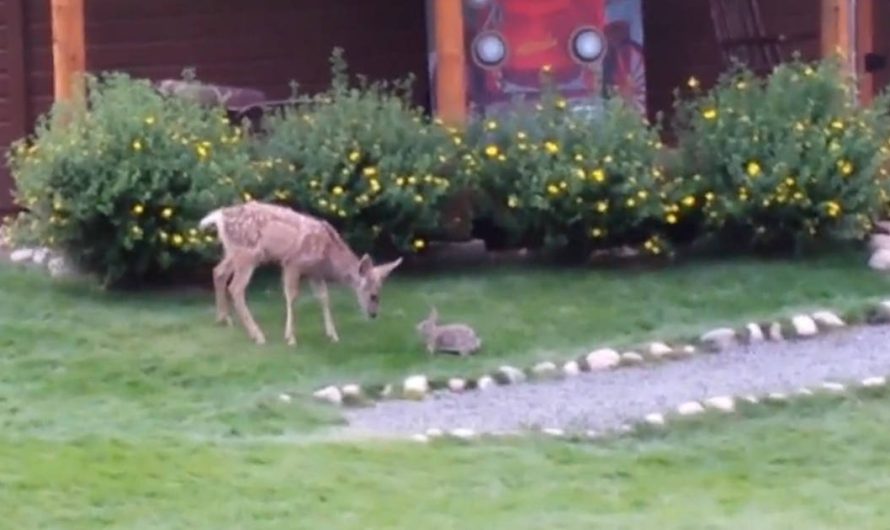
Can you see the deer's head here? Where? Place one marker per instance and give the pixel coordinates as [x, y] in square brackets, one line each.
[369, 281]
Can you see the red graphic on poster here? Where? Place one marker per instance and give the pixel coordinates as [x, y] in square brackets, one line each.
[512, 41]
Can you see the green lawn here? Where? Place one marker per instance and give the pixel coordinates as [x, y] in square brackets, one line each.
[813, 466]
[135, 411]
[77, 361]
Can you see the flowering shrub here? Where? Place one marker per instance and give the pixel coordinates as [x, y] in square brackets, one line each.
[569, 181]
[121, 184]
[363, 158]
[775, 163]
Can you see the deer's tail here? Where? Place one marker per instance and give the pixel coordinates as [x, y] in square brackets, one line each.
[214, 219]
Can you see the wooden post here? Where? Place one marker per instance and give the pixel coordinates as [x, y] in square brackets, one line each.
[835, 27]
[69, 48]
[451, 92]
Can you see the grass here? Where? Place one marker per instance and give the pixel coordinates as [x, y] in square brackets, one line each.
[815, 466]
[135, 411]
[77, 361]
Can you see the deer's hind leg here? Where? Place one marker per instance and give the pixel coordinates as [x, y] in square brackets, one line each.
[222, 274]
[320, 288]
[243, 271]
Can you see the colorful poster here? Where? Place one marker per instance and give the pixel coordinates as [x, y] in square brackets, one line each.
[588, 47]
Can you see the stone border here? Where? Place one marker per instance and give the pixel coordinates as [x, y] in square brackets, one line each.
[419, 386]
[659, 421]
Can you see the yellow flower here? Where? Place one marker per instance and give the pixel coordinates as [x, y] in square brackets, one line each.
[522, 146]
[579, 173]
[281, 194]
[137, 145]
[375, 185]
[136, 230]
[642, 194]
[579, 157]
[369, 171]
[491, 125]
[419, 244]
[598, 175]
[512, 201]
[689, 201]
[602, 206]
[412, 180]
[709, 114]
[167, 213]
[693, 83]
[150, 120]
[846, 167]
[502, 158]
[837, 124]
[631, 202]
[457, 140]
[833, 209]
[177, 240]
[247, 196]
[521, 135]
[799, 126]
[492, 151]
[560, 103]
[138, 209]
[354, 156]
[597, 232]
[551, 147]
[552, 189]
[671, 219]
[313, 183]
[709, 196]
[741, 85]
[202, 151]
[337, 190]
[753, 168]
[341, 213]
[400, 181]
[418, 198]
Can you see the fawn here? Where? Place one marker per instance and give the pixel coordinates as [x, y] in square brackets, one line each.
[255, 233]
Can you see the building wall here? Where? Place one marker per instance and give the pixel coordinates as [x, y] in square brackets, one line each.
[267, 43]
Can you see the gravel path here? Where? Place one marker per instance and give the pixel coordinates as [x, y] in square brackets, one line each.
[606, 400]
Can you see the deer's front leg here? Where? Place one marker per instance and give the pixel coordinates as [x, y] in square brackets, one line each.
[291, 281]
[320, 289]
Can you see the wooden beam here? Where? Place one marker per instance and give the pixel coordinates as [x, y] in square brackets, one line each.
[451, 91]
[69, 48]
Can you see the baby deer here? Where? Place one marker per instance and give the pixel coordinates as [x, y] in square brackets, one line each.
[304, 246]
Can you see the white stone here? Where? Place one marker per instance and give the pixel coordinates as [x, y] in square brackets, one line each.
[485, 382]
[284, 398]
[545, 369]
[804, 326]
[512, 374]
[432, 432]
[833, 387]
[721, 403]
[828, 319]
[804, 391]
[625, 429]
[571, 368]
[456, 384]
[719, 339]
[632, 358]
[40, 255]
[880, 260]
[755, 333]
[659, 350]
[21, 255]
[689, 349]
[420, 438]
[463, 434]
[690, 408]
[873, 382]
[775, 332]
[591, 434]
[386, 392]
[603, 359]
[556, 433]
[655, 419]
[415, 387]
[777, 397]
[331, 394]
[351, 391]
[752, 399]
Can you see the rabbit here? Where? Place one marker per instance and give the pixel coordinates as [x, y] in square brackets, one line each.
[452, 338]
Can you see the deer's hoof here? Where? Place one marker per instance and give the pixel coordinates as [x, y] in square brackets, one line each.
[225, 321]
[291, 341]
[260, 340]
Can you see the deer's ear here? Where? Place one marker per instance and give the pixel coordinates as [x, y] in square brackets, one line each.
[365, 265]
[386, 269]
